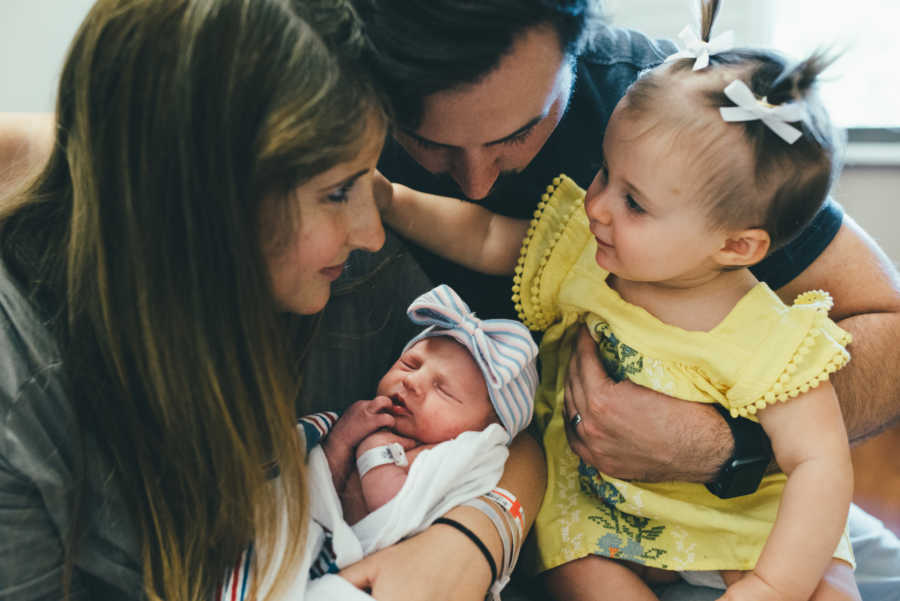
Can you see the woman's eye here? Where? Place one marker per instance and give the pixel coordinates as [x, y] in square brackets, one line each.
[633, 205]
[341, 194]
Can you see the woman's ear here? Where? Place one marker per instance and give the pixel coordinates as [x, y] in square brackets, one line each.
[744, 248]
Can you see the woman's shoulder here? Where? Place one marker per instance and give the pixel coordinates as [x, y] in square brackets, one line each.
[33, 403]
[29, 349]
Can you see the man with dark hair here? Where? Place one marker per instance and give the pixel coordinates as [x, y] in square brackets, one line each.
[494, 98]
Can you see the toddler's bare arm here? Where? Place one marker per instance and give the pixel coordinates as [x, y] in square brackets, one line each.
[461, 231]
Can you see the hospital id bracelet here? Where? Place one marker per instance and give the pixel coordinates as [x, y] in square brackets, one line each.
[510, 504]
[510, 548]
[383, 455]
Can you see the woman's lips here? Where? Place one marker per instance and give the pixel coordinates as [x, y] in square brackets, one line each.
[334, 272]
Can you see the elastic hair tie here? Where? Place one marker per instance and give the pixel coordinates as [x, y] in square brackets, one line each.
[474, 538]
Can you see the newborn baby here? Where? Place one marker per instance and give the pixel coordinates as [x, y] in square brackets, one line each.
[436, 390]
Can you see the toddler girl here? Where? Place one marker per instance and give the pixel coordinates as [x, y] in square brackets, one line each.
[711, 162]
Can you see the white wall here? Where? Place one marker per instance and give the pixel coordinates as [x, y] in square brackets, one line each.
[871, 195]
[34, 36]
[665, 18]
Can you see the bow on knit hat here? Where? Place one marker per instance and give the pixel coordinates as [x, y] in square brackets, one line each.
[502, 348]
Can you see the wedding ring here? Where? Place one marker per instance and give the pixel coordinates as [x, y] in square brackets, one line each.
[576, 419]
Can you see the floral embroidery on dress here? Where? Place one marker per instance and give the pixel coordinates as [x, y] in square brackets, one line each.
[619, 359]
[632, 533]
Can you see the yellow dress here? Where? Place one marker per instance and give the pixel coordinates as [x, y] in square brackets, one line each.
[763, 352]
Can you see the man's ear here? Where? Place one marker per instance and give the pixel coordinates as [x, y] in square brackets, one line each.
[743, 248]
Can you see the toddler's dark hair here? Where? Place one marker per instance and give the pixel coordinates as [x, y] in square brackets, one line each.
[784, 185]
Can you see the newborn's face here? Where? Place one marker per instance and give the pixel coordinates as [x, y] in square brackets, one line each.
[438, 391]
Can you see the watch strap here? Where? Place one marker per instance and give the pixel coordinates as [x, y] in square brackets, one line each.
[742, 473]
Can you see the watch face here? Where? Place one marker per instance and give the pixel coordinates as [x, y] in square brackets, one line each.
[739, 477]
[743, 463]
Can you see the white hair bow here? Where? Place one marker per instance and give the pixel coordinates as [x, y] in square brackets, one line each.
[697, 49]
[749, 108]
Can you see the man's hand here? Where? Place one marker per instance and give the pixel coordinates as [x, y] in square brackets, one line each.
[634, 433]
[26, 141]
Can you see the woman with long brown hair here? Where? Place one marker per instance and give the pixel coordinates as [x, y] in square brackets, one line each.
[210, 174]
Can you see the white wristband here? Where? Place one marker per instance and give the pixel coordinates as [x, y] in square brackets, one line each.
[507, 565]
[374, 457]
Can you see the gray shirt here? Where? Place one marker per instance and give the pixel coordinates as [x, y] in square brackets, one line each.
[38, 455]
[360, 335]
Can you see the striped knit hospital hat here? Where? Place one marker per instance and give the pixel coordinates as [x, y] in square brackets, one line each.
[502, 348]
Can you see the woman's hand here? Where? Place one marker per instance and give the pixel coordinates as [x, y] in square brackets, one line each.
[633, 433]
[431, 566]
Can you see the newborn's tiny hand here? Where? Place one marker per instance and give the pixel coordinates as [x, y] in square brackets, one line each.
[360, 420]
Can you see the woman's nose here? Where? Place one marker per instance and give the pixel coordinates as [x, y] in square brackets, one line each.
[366, 229]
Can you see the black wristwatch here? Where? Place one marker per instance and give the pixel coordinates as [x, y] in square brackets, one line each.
[744, 470]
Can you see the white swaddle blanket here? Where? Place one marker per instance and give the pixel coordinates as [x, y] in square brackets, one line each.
[439, 479]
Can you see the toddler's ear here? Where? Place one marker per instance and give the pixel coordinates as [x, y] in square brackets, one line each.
[744, 248]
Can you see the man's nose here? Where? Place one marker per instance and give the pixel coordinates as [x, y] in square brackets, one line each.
[475, 172]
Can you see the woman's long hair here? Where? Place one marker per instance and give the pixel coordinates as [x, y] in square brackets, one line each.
[180, 124]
